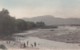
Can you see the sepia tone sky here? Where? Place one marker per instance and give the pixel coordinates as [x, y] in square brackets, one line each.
[32, 8]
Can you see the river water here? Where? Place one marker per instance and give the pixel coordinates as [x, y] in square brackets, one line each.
[44, 42]
[40, 43]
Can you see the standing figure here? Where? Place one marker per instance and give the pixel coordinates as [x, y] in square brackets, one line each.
[27, 43]
[24, 45]
[35, 44]
[31, 45]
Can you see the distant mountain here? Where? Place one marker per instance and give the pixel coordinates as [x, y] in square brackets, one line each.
[51, 20]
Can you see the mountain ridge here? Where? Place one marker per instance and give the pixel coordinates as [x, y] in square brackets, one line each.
[51, 20]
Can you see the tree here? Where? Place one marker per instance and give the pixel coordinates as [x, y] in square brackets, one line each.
[10, 25]
[30, 25]
[21, 25]
[7, 23]
[40, 24]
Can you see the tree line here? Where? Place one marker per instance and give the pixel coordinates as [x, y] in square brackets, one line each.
[10, 25]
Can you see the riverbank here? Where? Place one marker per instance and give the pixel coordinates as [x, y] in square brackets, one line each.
[42, 44]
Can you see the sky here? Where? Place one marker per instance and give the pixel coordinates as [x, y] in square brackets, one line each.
[33, 8]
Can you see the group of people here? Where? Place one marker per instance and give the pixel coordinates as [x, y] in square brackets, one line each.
[27, 44]
[24, 44]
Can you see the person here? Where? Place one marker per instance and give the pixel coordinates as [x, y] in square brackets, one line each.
[35, 44]
[31, 45]
[8, 42]
[27, 43]
[24, 45]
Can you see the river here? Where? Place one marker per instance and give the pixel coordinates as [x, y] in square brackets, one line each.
[22, 38]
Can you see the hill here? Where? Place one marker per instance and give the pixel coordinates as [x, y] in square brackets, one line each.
[51, 20]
